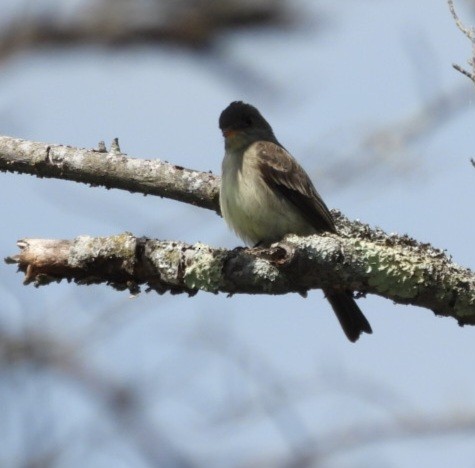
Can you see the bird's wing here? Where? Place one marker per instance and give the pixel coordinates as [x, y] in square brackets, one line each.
[285, 176]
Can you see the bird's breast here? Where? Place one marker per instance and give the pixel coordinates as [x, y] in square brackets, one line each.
[250, 207]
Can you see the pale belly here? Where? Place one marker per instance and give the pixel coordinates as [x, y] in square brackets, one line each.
[254, 212]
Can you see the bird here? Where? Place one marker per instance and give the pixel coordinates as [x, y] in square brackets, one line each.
[265, 194]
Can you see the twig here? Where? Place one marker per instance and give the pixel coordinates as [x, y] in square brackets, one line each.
[470, 34]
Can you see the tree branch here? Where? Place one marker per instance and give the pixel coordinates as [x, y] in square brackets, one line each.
[397, 268]
[98, 167]
[361, 259]
[470, 34]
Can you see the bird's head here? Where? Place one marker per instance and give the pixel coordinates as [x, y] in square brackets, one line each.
[242, 125]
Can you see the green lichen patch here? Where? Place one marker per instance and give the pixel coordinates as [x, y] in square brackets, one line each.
[203, 268]
[392, 271]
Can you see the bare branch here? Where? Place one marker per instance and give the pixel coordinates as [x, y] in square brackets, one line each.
[111, 170]
[470, 34]
[464, 72]
[397, 268]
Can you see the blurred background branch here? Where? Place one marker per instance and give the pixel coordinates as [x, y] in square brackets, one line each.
[127, 408]
[193, 24]
[121, 402]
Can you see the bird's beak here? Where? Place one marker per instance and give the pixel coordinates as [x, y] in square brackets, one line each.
[227, 132]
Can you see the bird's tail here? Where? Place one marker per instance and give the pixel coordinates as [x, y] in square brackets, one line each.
[349, 314]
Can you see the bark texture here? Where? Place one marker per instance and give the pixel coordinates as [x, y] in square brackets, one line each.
[360, 258]
[394, 267]
[110, 169]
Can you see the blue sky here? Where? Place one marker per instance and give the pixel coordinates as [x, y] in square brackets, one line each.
[324, 88]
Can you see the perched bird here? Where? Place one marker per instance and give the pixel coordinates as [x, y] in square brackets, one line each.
[266, 194]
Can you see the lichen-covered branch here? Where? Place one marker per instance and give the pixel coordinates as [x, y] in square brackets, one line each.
[110, 169]
[369, 261]
[363, 259]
